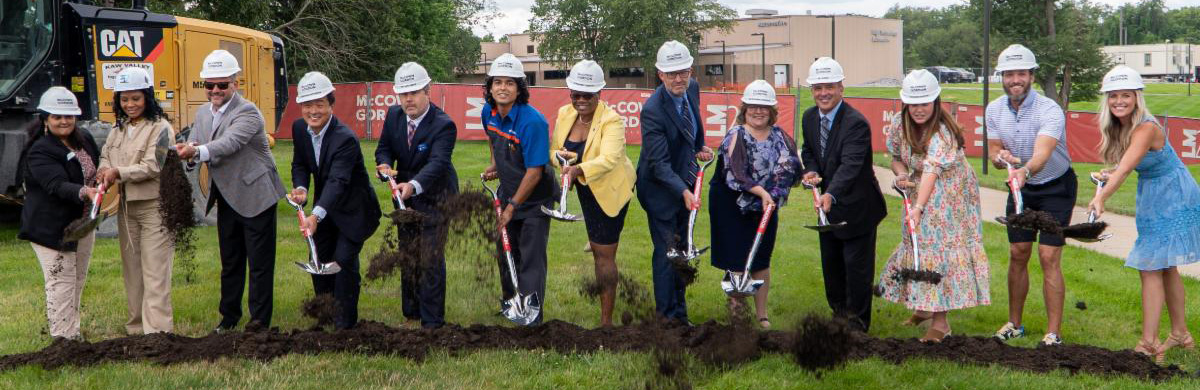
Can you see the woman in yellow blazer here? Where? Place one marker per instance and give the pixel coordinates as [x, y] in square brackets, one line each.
[132, 160]
[602, 173]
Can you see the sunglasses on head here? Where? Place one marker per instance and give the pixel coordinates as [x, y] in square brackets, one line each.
[582, 96]
[221, 85]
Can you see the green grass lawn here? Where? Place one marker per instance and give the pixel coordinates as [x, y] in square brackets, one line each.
[1163, 99]
[1111, 292]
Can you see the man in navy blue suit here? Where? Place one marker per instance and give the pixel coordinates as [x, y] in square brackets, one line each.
[672, 140]
[417, 142]
[346, 211]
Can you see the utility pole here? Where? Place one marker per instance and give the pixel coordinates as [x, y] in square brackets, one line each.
[723, 70]
[987, 73]
[764, 53]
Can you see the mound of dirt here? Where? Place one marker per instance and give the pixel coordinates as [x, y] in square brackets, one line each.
[323, 308]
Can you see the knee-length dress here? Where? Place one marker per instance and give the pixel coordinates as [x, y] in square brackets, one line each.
[950, 233]
[1168, 213]
[734, 212]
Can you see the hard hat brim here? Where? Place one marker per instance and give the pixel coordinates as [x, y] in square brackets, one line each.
[127, 89]
[1118, 87]
[55, 111]
[831, 80]
[918, 99]
[397, 88]
[756, 102]
[313, 96]
[674, 68]
[216, 74]
[574, 86]
[1026, 66]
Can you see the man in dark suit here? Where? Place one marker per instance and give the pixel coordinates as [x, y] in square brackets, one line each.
[346, 211]
[672, 140]
[417, 142]
[837, 159]
[229, 138]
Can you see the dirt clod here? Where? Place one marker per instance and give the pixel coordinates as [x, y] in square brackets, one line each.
[1081, 305]
[322, 307]
[1086, 230]
[1036, 220]
[823, 344]
[175, 208]
[910, 275]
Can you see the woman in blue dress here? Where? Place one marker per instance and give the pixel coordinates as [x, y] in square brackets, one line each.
[1168, 205]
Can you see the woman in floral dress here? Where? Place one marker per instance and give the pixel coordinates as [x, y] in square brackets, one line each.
[926, 145]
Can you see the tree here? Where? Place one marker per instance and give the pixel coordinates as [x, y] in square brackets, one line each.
[1070, 64]
[352, 40]
[948, 36]
[624, 32]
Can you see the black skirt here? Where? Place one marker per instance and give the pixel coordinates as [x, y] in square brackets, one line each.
[601, 228]
[733, 232]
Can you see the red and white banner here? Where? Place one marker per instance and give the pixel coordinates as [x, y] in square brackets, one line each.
[363, 107]
[365, 112]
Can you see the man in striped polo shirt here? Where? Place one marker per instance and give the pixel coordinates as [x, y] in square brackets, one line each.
[1028, 131]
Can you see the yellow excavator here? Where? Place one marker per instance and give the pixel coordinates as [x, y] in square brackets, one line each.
[72, 43]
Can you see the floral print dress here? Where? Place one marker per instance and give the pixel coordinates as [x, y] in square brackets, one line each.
[950, 233]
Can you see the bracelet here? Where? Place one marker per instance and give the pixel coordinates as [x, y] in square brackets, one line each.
[919, 208]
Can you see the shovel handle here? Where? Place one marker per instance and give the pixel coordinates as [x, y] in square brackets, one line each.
[766, 218]
[503, 229]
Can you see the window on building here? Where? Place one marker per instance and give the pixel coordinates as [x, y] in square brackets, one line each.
[529, 49]
[714, 70]
[554, 75]
[627, 72]
[1147, 57]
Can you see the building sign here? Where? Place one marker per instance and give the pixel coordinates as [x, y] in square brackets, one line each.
[777, 23]
[882, 35]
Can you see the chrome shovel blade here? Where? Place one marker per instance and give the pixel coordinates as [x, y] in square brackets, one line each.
[320, 268]
[1102, 237]
[561, 216]
[522, 309]
[740, 286]
[827, 228]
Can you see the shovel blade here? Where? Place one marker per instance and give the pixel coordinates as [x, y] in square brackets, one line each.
[522, 309]
[81, 231]
[320, 268]
[1002, 220]
[739, 286]
[1102, 237]
[827, 228]
[561, 216]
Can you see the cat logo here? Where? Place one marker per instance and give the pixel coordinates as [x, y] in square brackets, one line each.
[128, 43]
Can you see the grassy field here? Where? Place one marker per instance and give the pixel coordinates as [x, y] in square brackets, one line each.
[1163, 99]
[1111, 292]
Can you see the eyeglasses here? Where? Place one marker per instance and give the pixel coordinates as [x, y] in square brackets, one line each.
[582, 96]
[222, 85]
[678, 74]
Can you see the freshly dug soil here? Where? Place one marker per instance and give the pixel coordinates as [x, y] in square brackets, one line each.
[1086, 230]
[1036, 220]
[323, 308]
[912, 275]
[685, 270]
[404, 249]
[175, 207]
[1081, 305]
[817, 344]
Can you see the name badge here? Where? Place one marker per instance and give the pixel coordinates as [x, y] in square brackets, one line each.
[422, 147]
[70, 156]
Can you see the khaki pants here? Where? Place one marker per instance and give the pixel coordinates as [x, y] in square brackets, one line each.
[64, 273]
[146, 253]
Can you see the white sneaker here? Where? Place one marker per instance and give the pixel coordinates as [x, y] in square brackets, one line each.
[1051, 339]
[1010, 331]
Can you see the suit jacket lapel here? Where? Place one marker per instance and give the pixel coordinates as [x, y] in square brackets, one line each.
[673, 113]
[228, 115]
[834, 129]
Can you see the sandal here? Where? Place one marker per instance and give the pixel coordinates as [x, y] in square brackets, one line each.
[1186, 341]
[1149, 349]
[764, 322]
[916, 320]
[934, 336]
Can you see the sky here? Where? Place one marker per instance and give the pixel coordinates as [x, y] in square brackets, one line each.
[513, 16]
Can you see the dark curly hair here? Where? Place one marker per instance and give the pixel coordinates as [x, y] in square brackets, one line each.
[152, 113]
[522, 90]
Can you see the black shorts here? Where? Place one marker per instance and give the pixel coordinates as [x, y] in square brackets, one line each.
[1056, 197]
[601, 228]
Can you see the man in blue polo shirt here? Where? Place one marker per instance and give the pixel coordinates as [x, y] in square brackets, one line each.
[519, 138]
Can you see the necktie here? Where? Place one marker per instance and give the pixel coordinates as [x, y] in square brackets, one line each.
[824, 134]
[412, 129]
[686, 112]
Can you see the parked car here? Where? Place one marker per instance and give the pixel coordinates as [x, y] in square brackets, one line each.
[965, 76]
[944, 74]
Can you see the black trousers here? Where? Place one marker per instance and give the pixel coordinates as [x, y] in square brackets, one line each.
[528, 237]
[245, 242]
[344, 285]
[423, 289]
[849, 268]
[669, 292]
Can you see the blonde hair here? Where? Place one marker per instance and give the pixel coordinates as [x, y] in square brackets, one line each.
[1114, 136]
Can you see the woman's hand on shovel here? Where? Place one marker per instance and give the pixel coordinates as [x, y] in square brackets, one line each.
[764, 196]
[1096, 206]
[913, 217]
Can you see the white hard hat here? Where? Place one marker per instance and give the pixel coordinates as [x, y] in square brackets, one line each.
[1016, 57]
[1121, 78]
[313, 86]
[59, 101]
[919, 87]
[759, 92]
[132, 79]
[219, 63]
[586, 76]
[673, 56]
[411, 77]
[507, 65]
[825, 70]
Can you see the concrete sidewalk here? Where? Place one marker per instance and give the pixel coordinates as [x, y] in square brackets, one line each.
[1122, 227]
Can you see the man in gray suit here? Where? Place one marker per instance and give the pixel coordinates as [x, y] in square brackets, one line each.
[229, 136]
